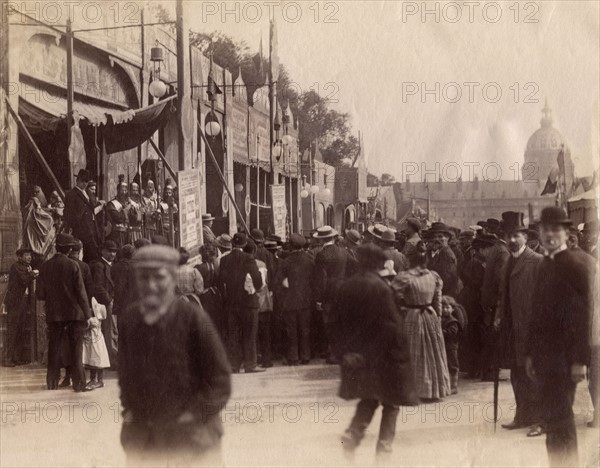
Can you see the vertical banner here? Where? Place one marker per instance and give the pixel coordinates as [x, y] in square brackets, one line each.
[279, 210]
[190, 217]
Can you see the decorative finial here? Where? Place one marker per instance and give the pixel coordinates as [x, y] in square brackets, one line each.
[547, 118]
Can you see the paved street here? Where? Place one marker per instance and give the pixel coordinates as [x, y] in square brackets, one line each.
[286, 416]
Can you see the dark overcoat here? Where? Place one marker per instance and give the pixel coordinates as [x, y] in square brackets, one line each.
[297, 267]
[104, 287]
[80, 219]
[232, 276]
[444, 264]
[20, 277]
[375, 357]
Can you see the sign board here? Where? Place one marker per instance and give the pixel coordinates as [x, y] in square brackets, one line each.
[279, 210]
[190, 217]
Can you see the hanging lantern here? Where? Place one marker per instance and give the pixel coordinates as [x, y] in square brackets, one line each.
[314, 189]
[212, 126]
[326, 192]
[287, 139]
[304, 193]
[239, 188]
[157, 88]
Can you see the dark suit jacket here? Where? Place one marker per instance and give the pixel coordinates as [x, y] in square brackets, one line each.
[297, 267]
[79, 217]
[61, 286]
[88, 281]
[125, 292]
[232, 275]
[490, 289]
[104, 288]
[562, 305]
[268, 258]
[445, 265]
[330, 270]
[20, 277]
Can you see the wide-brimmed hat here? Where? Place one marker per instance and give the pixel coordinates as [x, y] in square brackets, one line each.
[271, 245]
[325, 232]
[156, 256]
[440, 227]
[257, 235]
[414, 223]
[275, 238]
[554, 215]
[492, 223]
[20, 252]
[239, 240]
[109, 245]
[353, 236]
[207, 217]
[297, 241]
[377, 230]
[467, 234]
[389, 237]
[84, 175]
[224, 241]
[65, 240]
[512, 221]
[483, 241]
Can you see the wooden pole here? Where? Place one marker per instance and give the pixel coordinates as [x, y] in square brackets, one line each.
[257, 182]
[70, 95]
[162, 157]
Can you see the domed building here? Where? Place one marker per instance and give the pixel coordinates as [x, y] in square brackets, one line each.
[541, 152]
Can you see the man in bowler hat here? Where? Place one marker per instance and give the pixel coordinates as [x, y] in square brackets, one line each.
[557, 346]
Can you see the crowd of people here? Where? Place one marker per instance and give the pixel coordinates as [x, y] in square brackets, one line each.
[403, 313]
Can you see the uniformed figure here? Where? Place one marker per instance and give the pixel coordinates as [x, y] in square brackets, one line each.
[168, 214]
[117, 212]
[135, 214]
[150, 202]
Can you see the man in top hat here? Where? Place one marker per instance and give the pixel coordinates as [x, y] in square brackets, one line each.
[20, 279]
[294, 277]
[173, 371]
[239, 280]
[558, 342]
[79, 217]
[513, 316]
[413, 229]
[330, 270]
[207, 233]
[442, 260]
[104, 291]
[386, 239]
[67, 311]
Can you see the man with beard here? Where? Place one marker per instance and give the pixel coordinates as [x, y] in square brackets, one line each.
[442, 260]
[79, 217]
[135, 213]
[173, 371]
[558, 342]
[513, 315]
[117, 212]
[150, 203]
[167, 208]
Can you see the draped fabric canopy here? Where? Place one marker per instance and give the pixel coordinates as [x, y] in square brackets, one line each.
[121, 129]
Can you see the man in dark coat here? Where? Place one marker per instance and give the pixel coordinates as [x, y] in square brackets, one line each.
[330, 270]
[496, 258]
[67, 311]
[557, 346]
[386, 239]
[173, 371]
[442, 260]
[294, 277]
[375, 358]
[20, 278]
[513, 315]
[413, 228]
[104, 289]
[241, 304]
[79, 217]
[123, 279]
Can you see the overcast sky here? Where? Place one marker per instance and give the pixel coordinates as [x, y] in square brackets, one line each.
[379, 52]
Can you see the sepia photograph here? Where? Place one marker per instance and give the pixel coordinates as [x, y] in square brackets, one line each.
[384, 211]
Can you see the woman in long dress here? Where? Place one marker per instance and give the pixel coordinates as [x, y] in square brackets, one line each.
[418, 294]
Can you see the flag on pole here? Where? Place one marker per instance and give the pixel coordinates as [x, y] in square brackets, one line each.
[76, 147]
[552, 182]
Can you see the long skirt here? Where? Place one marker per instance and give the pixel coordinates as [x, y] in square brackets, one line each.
[423, 332]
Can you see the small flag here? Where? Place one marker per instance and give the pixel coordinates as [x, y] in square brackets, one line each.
[76, 146]
[561, 161]
[552, 182]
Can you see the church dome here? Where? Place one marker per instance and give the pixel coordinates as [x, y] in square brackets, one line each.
[546, 137]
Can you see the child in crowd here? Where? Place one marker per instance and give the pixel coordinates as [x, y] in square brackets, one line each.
[453, 322]
[95, 354]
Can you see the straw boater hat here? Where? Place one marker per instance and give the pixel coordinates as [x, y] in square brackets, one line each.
[353, 236]
[325, 232]
[207, 217]
[467, 234]
[377, 230]
[224, 241]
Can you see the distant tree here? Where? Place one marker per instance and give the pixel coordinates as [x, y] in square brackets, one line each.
[372, 180]
[387, 179]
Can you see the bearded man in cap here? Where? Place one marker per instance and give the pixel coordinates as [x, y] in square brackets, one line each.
[294, 277]
[79, 217]
[239, 279]
[442, 260]
[173, 371]
[67, 312]
[558, 341]
[513, 315]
